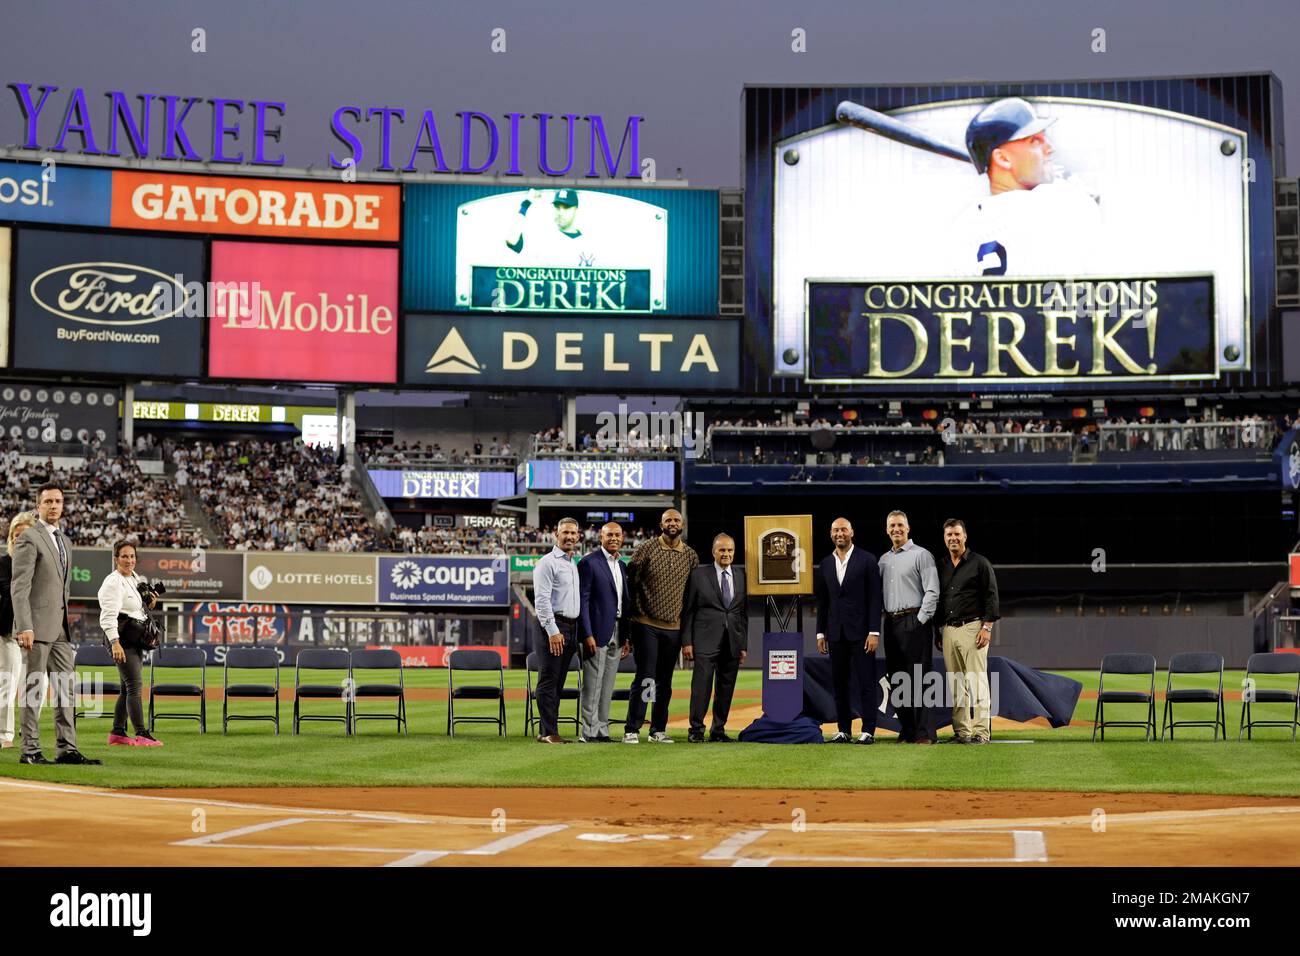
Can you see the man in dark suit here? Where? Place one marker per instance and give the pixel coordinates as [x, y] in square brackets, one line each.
[715, 635]
[42, 562]
[604, 604]
[847, 584]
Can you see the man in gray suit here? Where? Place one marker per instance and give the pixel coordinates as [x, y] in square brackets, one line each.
[42, 562]
[715, 635]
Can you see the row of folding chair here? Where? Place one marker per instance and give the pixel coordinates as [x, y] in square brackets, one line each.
[1190, 663]
[488, 661]
[335, 660]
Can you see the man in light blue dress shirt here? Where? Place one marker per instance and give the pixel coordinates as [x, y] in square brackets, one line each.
[910, 585]
[555, 596]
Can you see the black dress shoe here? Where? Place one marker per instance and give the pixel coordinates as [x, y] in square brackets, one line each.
[695, 738]
[36, 759]
[721, 739]
[76, 757]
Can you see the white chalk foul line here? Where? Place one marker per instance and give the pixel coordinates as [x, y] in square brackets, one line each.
[362, 815]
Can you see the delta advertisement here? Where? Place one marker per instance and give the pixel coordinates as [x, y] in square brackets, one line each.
[445, 580]
[561, 251]
[997, 236]
[520, 351]
[601, 475]
[106, 304]
[303, 313]
[434, 483]
[58, 414]
[55, 193]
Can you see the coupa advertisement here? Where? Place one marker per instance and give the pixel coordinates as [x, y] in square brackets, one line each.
[564, 250]
[445, 580]
[114, 304]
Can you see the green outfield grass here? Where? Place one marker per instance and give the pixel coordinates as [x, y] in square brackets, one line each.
[322, 756]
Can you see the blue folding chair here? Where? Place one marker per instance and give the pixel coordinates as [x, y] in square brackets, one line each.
[323, 659]
[374, 660]
[481, 662]
[95, 655]
[1194, 662]
[1126, 664]
[250, 658]
[1270, 664]
[176, 658]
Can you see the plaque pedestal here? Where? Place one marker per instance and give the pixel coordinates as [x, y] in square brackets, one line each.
[783, 721]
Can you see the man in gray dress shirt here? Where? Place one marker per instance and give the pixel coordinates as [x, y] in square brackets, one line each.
[911, 594]
[555, 595]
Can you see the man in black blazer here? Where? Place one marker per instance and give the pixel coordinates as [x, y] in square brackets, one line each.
[849, 606]
[715, 635]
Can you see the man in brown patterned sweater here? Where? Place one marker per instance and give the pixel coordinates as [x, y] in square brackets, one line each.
[659, 570]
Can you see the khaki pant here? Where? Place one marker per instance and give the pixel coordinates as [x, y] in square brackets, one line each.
[968, 675]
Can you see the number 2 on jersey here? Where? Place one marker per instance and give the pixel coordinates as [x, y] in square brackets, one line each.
[993, 248]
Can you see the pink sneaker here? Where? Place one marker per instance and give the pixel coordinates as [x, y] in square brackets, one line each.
[147, 739]
[117, 740]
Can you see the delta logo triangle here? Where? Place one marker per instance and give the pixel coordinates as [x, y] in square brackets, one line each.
[453, 357]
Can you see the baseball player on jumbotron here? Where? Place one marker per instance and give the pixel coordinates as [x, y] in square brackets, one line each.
[559, 242]
[1034, 222]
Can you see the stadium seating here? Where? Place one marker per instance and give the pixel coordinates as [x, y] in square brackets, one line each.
[177, 658]
[250, 658]
[323, 659]
[1194, 662]
[1131, 665]
[373, 660]
[1275, 664]
[478, 661]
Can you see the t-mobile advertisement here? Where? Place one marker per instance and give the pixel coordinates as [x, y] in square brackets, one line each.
[303, 313]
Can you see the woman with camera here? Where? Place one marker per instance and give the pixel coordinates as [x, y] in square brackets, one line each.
[123, 599]
[12, 660]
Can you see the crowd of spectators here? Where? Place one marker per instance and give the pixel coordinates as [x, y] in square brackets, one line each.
[525, 539]
[1193, 434]
[106, 499]
[283, 496]
[636, 441]
[432, 453]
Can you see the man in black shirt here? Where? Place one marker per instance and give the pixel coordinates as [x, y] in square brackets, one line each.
[968, 606]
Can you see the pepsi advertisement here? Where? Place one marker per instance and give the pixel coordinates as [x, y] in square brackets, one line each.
[108, 304]
[462, 581]
[49, 192]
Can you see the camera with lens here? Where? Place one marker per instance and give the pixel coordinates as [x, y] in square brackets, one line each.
[147, 591]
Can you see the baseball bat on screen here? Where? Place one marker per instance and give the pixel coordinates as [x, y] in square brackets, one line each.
[854, 114]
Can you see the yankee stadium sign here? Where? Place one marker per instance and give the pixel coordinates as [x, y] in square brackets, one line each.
[195, 129]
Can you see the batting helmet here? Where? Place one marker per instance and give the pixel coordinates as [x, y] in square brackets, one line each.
[1001, 122]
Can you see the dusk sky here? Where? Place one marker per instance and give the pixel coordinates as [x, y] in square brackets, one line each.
[680, 65]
